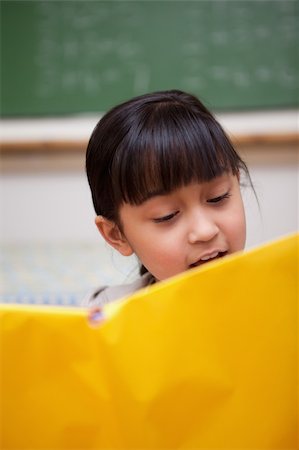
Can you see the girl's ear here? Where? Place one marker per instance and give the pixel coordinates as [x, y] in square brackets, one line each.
[112, 234]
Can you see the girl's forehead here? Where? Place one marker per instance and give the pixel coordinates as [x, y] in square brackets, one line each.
[223, 180]
[143, 188]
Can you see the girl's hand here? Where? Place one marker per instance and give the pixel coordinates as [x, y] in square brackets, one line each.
[95, 316]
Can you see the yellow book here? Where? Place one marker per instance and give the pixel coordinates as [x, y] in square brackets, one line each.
[205, 360]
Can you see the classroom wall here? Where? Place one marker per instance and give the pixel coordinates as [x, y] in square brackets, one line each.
[80, 58]
[46, 197]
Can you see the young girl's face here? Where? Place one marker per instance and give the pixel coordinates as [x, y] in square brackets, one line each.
[186, 228]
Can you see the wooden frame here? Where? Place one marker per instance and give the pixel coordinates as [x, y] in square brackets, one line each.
[71, 134]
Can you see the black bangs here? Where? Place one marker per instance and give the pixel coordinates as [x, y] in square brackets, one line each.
[153, 144]
[169, 147]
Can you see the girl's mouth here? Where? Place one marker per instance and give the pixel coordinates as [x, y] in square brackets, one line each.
[209, 258]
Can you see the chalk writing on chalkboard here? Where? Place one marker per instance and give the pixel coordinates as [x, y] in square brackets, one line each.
[86, 56]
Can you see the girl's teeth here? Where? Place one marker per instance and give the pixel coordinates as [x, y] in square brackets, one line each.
[205, 258]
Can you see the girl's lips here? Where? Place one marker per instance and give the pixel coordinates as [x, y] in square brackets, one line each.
[208, 258]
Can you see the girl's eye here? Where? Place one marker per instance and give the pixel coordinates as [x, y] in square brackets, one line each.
[166, 218]
[220, 198]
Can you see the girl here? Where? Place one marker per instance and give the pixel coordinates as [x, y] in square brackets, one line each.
[165, 184]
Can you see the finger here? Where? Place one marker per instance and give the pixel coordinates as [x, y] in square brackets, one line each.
[95, 316]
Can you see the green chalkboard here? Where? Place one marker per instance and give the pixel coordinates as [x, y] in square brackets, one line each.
[69, 57]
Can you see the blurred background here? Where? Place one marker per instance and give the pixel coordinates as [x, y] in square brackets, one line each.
[64, 63]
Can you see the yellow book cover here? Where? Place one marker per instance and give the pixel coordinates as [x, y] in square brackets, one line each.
[205, 360]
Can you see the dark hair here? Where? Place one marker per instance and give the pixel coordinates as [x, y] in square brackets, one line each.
[155, 143]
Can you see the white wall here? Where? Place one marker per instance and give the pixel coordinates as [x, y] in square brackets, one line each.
[38, 204]
[46, 207]
[276, 187]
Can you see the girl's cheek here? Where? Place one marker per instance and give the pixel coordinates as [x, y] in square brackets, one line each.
[240, 233]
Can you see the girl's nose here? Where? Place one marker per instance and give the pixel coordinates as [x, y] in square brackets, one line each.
[203, 229]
